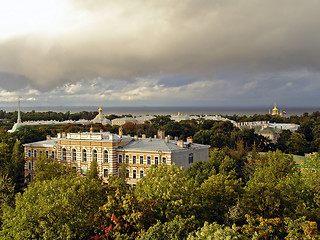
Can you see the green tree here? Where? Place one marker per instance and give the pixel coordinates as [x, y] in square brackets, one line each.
[4, 158]
[48, 169]
[267, 193]
[6, 193]
[55, 209]
[177, 229]
[297, 144]
[217, 232]
[172, 192]
[218, 194]
[93, 171]
[17, 166]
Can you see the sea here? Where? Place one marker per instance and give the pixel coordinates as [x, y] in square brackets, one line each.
[143, 110]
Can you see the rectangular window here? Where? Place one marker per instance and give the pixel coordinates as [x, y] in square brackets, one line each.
[134, 160]
[105, 173]
[190, 157]
[141, 160]
[148, 160]
[120, 158]
[156, 160]
[127, 159]
[134, 174]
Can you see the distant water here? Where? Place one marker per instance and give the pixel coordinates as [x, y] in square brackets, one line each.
[137, 111]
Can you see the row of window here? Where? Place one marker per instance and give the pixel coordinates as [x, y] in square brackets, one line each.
[94, 155]
[141, 160]
[35, 153]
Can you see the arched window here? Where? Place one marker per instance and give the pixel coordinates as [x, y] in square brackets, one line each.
[73, 155]
[127, 173]
[141, 160]
[105, 156]
[134, 159]
[164, 159]
[52, 154]
[35, 153]
[134, 174]
[84, 155]
[148, 160]
[29, 165]
[120, 158]
[94, 155]
[156, 160]
[29, 153]
[141, 174]
[64, 154]
[127, 159]
[47, 154]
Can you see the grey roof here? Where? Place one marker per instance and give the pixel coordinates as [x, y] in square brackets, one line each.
[46, 143]
[157, 144]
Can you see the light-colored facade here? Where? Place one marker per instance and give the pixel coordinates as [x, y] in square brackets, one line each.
[77, 150]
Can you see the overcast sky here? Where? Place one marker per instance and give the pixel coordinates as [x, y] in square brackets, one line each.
[233, 53]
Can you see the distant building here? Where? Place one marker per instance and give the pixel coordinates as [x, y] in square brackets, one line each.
[111, 151]
[101, 118]
[275, 111]
[19, 122]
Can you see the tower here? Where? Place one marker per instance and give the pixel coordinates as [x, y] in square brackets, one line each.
[19, 115]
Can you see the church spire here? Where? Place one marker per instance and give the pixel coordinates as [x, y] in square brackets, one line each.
[19, 115]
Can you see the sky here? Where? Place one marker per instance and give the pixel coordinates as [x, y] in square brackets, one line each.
[208, 53]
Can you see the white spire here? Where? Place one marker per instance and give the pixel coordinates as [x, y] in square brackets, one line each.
[19, 115]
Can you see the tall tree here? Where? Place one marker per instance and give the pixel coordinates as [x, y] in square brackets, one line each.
[93, 171]
[17, 166]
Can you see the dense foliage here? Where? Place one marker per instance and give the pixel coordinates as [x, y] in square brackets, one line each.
[238, 193]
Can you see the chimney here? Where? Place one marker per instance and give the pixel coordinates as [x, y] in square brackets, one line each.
[180, 143]
[120, 131]
[161, 134]
[48, 137]
[189, 140]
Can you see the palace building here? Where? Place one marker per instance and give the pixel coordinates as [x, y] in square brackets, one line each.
[111, 151]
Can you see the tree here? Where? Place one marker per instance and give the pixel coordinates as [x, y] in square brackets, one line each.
[55, 209]
[48, 169]
[297, 144]
[17, 166]
[6, 193]
[93, 171]
[177, 229]
[172, 192]
[4, 158]
[217, 232]
[267, 194]
[218, 194]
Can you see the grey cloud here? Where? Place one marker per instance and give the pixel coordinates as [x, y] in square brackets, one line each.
[191, 38]
[12, 82]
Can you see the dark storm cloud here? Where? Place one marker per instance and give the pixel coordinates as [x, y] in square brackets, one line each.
[198, 39]
[12, 82]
